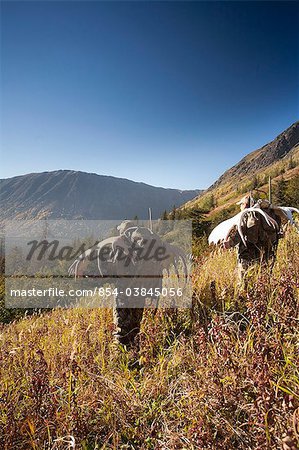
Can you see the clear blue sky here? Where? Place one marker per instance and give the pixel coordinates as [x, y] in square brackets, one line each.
[169, 93]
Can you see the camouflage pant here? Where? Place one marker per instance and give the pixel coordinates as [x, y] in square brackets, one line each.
[127, 322]
[128, 312]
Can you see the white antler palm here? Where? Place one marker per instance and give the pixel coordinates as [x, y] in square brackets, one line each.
[113, 244]
[289, 210]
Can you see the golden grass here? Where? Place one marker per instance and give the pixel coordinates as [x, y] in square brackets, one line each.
[223, 375]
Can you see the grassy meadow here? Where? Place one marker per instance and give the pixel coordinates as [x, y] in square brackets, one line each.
[223, 375]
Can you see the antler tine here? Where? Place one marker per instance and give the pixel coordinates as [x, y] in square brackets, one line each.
[129, 229]
[176, 268]
[71, 270]
[185, 269]
[186, 275]
[177, 255]
[98, 262]
[76, 269]
[240, 231]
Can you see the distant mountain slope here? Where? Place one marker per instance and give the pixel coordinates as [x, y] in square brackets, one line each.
[278, 158]
[264, 156]
[70, 194]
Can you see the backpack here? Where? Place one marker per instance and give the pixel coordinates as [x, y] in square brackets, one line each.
[257, 231]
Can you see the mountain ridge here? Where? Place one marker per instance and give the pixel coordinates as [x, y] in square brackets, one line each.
[264, 156]
[76, 194]
[278, 159]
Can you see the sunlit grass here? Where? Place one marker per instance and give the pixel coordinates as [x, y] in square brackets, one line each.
[223, 375]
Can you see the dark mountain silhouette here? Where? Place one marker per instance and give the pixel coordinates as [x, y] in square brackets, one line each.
[71, 195]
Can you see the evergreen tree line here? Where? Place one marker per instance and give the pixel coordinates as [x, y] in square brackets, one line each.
[286, 192]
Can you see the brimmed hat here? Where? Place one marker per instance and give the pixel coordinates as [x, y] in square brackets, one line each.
[243, 200]
[123, 226]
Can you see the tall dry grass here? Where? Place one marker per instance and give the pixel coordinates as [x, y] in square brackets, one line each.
[223, 375]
